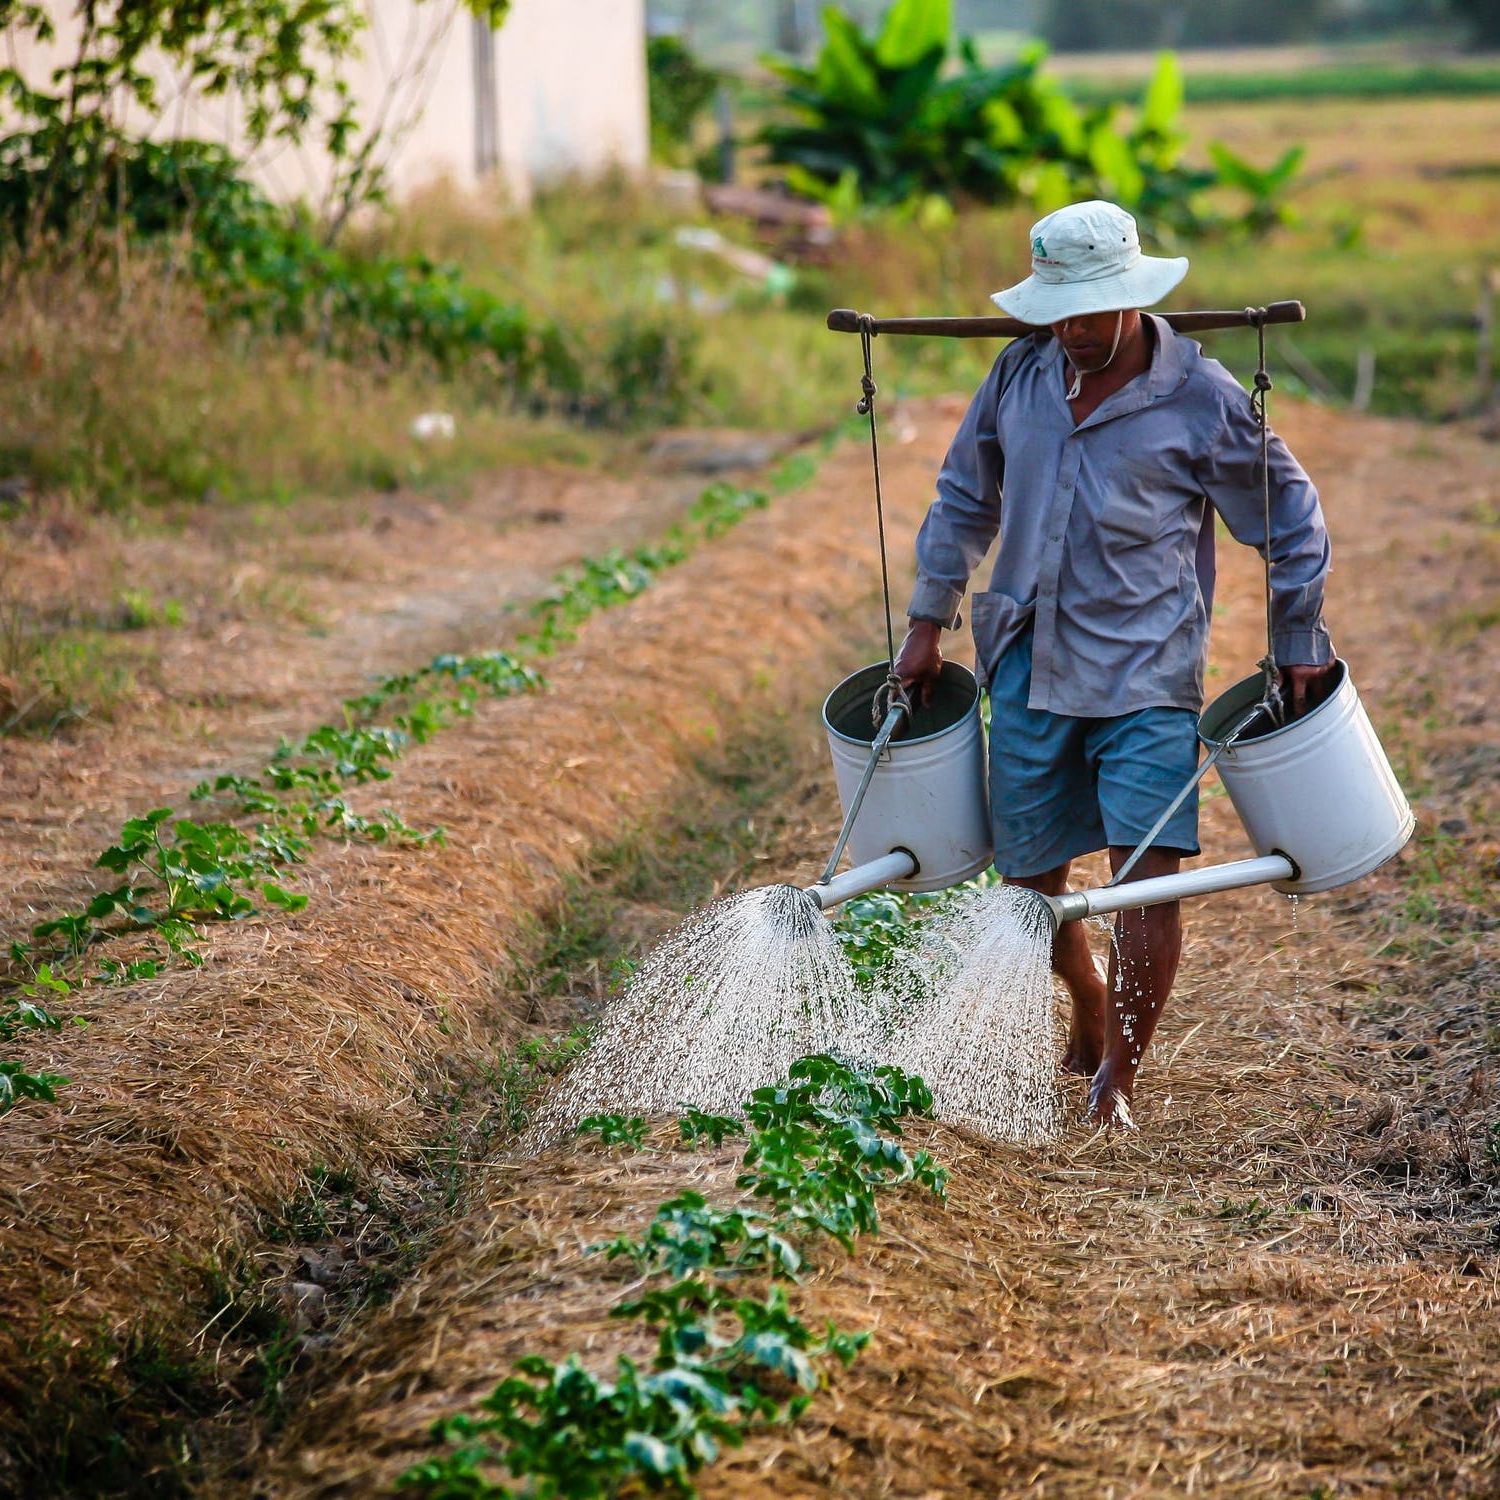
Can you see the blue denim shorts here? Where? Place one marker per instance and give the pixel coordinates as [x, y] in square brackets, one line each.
[1061, 786]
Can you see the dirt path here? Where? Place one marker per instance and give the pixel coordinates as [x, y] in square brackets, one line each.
[1285, 1284]
[286, 612]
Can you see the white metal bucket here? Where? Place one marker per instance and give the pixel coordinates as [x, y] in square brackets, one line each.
[928, 794]
[1320, 790]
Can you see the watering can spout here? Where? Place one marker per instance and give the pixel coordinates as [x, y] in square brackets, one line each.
[873, 875]
[1073, 906]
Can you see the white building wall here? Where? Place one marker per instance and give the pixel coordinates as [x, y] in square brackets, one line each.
[568, 94]
[571, 81]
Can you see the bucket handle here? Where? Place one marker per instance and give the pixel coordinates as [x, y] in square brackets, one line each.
[897, 712]
[1264, 706]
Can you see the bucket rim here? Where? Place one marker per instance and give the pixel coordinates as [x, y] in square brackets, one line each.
[955, 670]
[1224, 719]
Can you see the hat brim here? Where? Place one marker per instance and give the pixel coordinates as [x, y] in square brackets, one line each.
[1043, 302]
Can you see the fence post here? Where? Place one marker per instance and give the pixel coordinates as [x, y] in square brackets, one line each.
[1487, 400]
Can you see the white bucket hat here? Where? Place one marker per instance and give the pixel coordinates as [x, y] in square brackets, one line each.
[1086, 258]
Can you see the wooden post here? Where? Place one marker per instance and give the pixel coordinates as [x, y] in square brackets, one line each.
[1364, 378]
[1488, 397]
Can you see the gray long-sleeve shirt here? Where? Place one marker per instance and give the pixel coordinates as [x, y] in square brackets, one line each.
[1106, 528]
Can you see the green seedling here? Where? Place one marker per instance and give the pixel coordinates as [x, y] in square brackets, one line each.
[727, 1361]
[688, 1235]
[179, 873]
[657, 1428]
[695, 1125]
[615, 1130]
[25, 1011]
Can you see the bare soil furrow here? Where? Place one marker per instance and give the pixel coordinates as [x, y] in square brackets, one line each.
[283, 619]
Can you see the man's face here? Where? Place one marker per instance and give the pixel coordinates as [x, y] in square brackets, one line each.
[1087, 339]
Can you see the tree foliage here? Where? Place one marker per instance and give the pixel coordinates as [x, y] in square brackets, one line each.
[278, 60]
[681, 88]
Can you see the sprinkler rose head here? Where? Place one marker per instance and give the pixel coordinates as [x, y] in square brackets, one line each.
[1058, 907]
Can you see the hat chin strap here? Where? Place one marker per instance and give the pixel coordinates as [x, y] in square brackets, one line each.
[1076, 389]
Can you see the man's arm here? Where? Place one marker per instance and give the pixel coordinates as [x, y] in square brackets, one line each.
[959, 527]
[1299, 550]
[961, 522]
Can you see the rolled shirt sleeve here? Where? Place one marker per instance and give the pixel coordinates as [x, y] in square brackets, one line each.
[1231, 477]
[963, 519]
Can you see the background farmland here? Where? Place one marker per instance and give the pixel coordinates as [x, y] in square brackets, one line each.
[499, 576]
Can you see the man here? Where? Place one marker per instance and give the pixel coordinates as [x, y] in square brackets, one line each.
[1100, 452]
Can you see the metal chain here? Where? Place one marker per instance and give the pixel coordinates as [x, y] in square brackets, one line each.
[893, 693]
[1263, 384]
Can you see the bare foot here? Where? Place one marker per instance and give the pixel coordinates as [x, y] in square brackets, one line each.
[1110, 1101]
[1085, 1049]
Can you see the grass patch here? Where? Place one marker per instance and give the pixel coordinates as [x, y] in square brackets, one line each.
[123, 396]
[1367, 80]
[1360, 257]
[54, 675]
[128, 395]
[122, 1416]
[125, 393]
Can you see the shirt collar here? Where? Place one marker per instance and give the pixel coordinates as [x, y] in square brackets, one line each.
[1168, 356]
[1168, 369]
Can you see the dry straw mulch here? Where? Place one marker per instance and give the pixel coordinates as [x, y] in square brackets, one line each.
[202, 1100]
[1284, 1285]
[284, 612]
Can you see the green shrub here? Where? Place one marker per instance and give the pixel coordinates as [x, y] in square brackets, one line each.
[890, 119]
[680, 90]
[270, 270]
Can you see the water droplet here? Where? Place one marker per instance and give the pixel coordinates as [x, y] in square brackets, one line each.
[1296, 953]
[741, 989]
[973, 1015]
[723, 1005]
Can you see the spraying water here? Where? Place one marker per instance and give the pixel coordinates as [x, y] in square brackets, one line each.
[972, 1013]
[722, 1006]
[733, 996]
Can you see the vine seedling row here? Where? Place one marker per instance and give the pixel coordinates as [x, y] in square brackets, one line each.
[178, 874]
[731, 1354]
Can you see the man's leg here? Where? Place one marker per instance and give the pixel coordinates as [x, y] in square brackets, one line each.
[1142, 967]
[1044, 806]
[1074, 965]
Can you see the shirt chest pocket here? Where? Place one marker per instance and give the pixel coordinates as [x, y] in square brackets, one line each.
[1135, 503]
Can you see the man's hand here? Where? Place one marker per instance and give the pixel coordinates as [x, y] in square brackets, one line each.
[920, 659]
[1304, 688]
